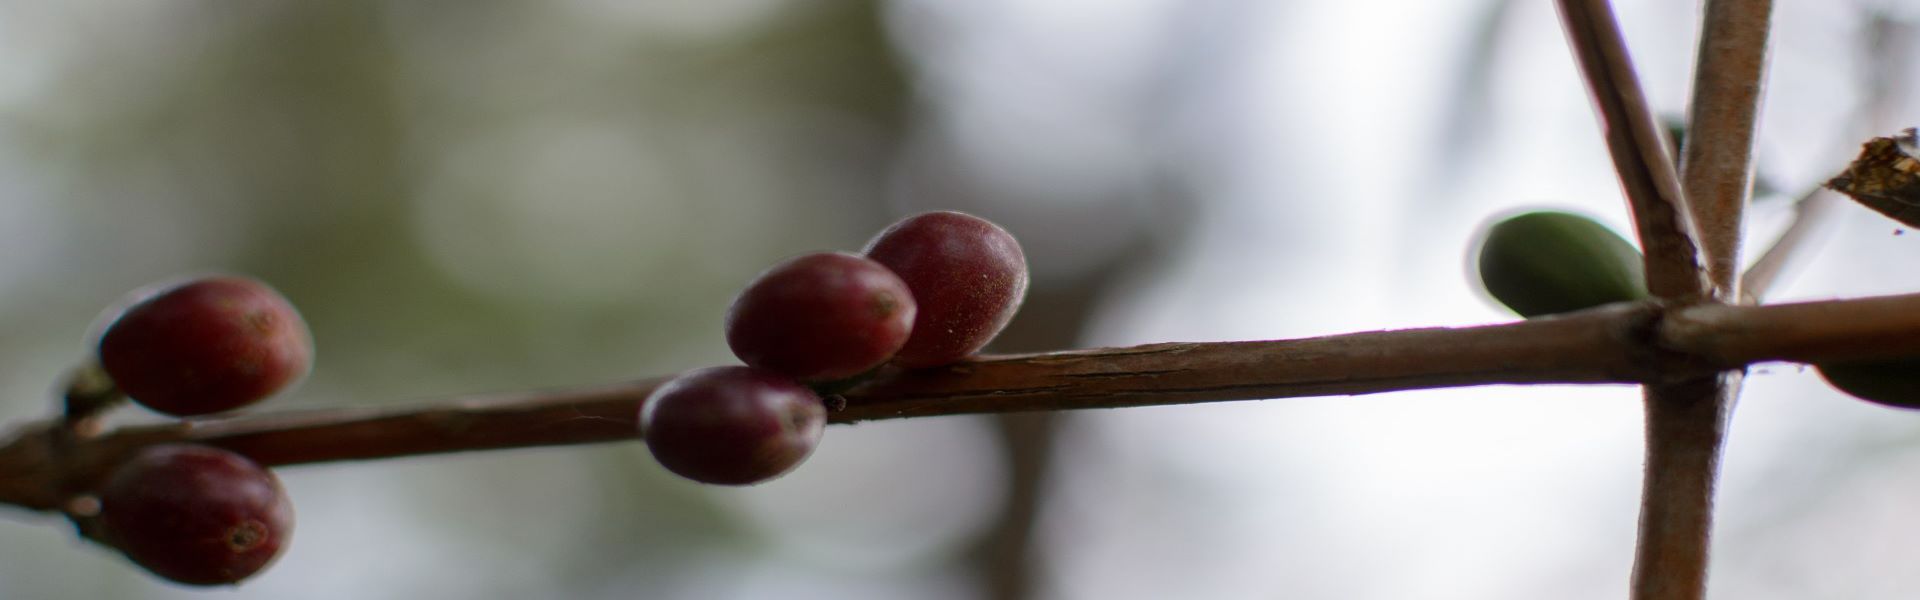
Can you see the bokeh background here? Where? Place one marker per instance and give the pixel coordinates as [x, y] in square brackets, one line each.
[478, 196]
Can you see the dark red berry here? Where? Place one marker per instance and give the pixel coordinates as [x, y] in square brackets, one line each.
[207, 346]
[195, 514]
[967, 275]
[821, 317]
[732, 425]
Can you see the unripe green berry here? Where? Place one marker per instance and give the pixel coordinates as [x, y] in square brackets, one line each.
[1546, 262]
[1893, 383]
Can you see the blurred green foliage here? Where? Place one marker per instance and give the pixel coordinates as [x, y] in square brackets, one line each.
[460, 197]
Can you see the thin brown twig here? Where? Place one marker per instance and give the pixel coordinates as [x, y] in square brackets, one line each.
[1624, 343]
[1639, 149]
[1685, 429]
[1810, 211]
[1716, 166]
[1687, 421]
[1667, 554]
[1889, 51]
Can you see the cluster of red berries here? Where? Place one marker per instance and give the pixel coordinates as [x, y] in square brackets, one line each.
[197, 514]
[929, 290]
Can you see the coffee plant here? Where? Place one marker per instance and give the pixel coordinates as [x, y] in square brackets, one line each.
[894, 332]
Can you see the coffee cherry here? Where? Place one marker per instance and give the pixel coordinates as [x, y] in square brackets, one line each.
[1542, 263]
[967, 274]
[1893, 383]
[195, 514]
[732, 425]
[207, 346]
[821, 317]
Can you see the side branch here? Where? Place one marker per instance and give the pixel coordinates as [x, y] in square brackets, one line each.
[1622, 343]
[1716, 165]
[1639, 150]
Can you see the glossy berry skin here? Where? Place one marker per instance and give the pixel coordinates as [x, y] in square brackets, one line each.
[732, 425]
[967, 274]
[1549, 262]
[207, 346]
[821, 317]
[195, 514]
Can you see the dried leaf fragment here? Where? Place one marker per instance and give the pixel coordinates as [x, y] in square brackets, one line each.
[1886, 177]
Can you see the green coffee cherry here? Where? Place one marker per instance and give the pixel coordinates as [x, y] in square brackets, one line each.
[1893, 383]
[1541, 263]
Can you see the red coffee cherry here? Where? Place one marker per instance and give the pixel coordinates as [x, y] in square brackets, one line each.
[821, 317]
[732, 425]
[967, 275]
[207, 346]
[195, 514]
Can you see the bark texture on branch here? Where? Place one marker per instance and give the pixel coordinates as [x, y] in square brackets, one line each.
[1687, 421]
[1639, 150]
[1686, 429]
[41, 467]
[1716, 166]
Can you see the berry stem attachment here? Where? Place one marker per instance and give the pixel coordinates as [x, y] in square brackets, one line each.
[89, 394]
[1619, 343]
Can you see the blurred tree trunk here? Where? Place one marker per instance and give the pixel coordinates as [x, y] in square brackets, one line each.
[1054, 317]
